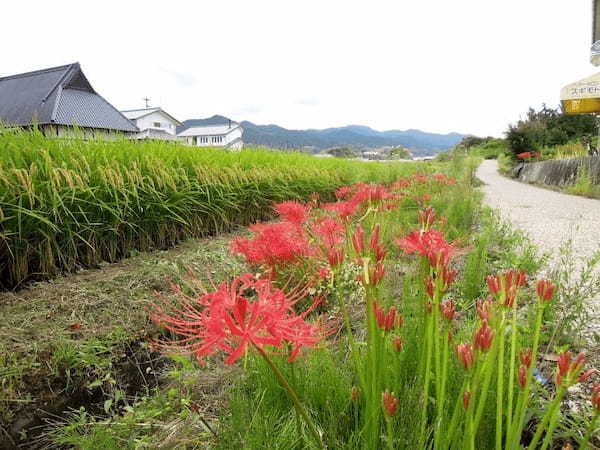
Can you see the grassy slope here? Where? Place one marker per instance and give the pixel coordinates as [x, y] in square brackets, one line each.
[58, 337]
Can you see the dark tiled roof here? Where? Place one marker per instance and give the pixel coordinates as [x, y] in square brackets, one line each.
[59, 95]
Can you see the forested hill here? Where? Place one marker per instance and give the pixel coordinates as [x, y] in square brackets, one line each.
[356, 136]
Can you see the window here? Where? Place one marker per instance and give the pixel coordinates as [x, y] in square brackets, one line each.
[156, 125]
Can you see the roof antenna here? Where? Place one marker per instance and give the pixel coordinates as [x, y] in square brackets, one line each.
[146, 99]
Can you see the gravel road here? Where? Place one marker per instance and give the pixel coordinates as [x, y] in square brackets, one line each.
[548, 217]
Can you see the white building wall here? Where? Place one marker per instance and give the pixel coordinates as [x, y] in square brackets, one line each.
[235, 134]
[148, 121]
[218, 140]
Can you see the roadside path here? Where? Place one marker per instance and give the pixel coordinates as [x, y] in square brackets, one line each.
[550, 218]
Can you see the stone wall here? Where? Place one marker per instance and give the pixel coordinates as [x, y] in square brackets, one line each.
[558, 172]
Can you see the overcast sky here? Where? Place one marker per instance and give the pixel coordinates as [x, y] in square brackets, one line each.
[470, 66]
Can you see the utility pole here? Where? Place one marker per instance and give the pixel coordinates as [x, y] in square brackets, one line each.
[147, 100]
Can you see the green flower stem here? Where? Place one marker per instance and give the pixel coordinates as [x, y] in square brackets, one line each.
[455, 415]
[390, 433]
[294, 397]
[351, 340]
[550, 417]
[500, 383]
[428, 357]
[444, 374]
[435, 311]
[511, 376]
[487, 372]
[517, 423]
[372, 378]
[590, 432]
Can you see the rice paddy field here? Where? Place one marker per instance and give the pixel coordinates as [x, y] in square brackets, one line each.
[68, 204]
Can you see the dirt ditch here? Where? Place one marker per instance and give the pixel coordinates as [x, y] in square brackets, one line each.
[133, 370]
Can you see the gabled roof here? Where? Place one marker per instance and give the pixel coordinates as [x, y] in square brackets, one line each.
[59, 95]
[134, 114]
[211, 130]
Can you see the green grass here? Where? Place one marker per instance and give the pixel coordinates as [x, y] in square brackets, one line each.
[66, 204]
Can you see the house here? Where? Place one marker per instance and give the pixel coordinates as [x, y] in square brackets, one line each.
[58, 100]
[227, 135]
[154, 123]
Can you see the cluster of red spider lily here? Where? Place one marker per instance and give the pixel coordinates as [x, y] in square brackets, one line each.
[251, 311]
[316, 240]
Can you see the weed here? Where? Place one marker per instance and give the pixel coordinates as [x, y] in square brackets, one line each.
[578, 282]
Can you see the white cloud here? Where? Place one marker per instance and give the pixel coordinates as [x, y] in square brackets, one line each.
[466, 65]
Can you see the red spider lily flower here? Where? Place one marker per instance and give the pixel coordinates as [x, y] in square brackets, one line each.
[585, 375]
[430, 244]
[484, 308]
[506, 284]
[448, 276]
[335, 256]
[273, 244]
[372, 193]
[390, 205]
[525, 357]
[401, 184]
[343, 192]
[229, 320]
[354, 394]
[522, 376]
[465, 355]
[329, 231]
[524, 155]
[380, 252]
[345, 210]
[292, 211]
[398, 345]
[448, 309]
[324, 273]
[439, 259]
[422, 179]
[358, 239]
[423, 198]
[494, 284]
[515, 278]
[466, 399]
[390, 403]
[429, 287]
[376, 272]
[426, 217]
[378, 249]
[596, 397]
[443, 179]
[484, 337]
[569, 368]
[545, 290]
[386, 321]
[374, 241]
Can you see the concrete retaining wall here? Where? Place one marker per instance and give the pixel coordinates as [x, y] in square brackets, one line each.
[558, 172]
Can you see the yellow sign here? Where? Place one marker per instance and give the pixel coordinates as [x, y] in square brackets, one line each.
[582, 96]
[583, 106]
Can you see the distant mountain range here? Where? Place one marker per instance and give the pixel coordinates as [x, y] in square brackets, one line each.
[356, 136]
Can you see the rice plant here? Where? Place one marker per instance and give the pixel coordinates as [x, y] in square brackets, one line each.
[66, 204]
